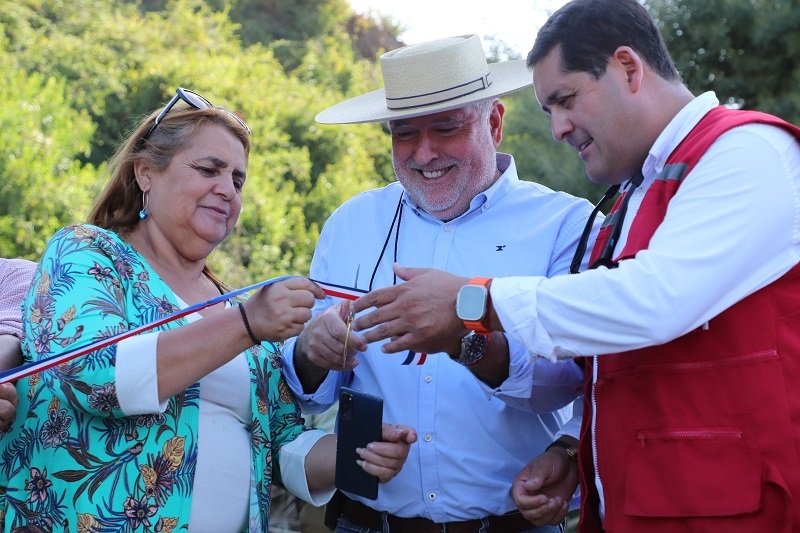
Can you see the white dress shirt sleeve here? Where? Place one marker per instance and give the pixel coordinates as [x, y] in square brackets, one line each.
[731, 229]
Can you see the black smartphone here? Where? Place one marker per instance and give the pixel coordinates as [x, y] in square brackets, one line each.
[358, 423]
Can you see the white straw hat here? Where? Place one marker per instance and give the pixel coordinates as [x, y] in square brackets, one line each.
[430, 77]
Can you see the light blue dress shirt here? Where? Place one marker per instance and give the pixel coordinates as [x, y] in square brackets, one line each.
[471, 444]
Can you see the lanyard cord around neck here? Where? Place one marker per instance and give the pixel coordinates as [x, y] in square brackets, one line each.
[580, 251]
[398, 217]
[604, 259]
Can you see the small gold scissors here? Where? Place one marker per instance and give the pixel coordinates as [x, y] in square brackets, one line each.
[349, 322]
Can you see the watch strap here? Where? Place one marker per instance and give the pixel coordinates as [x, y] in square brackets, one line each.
[482, 326]
[571, 450]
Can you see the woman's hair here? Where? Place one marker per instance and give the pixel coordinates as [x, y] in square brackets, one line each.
[117, 208]
[589, 31]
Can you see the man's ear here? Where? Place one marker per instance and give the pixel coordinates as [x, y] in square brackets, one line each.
[496, 122]
[632, 66]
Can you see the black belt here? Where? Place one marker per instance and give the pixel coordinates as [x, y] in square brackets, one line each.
[360, 514]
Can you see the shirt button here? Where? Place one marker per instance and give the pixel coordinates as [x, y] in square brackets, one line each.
[486, 205]
[447, 228]
[428, 437]
[432, 496]
[428, 379]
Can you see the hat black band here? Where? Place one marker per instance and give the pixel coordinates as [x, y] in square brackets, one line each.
[437, 97]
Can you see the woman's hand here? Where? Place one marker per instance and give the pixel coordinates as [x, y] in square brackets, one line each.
[384, 459]
[280, 310]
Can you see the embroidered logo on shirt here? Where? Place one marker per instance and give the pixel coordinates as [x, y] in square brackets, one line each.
[500, 247]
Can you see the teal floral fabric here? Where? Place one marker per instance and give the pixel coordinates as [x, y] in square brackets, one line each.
[72, 461]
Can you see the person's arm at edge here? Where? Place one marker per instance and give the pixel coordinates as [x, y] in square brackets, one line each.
[10, 352]
[18, 275]
[10, 356]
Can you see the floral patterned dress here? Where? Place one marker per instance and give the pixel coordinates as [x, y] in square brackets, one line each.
[72, 461]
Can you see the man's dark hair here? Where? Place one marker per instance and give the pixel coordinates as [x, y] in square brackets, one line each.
[589, 31]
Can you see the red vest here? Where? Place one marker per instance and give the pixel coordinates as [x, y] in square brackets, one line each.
[701, 434]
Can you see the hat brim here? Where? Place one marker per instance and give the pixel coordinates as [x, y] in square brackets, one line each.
[506, 76]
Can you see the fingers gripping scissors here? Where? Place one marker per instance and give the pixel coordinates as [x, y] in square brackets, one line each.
[349, 322]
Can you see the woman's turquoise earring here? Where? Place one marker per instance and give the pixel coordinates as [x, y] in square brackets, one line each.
[145, 199]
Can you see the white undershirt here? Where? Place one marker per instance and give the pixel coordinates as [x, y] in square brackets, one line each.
[221, 490]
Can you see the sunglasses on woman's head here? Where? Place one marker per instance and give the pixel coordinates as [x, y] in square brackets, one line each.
[194, 100]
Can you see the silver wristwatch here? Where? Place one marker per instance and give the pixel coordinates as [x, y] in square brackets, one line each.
[473, 347]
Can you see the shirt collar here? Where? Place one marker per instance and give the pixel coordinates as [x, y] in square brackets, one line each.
[677, 129]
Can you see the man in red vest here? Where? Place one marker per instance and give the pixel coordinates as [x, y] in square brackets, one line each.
[692, 307]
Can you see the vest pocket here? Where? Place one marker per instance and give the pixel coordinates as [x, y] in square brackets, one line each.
[692, 472]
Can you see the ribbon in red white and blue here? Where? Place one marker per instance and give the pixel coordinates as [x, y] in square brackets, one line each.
[13, 374]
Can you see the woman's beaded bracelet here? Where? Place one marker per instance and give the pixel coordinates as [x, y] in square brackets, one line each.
[247, 325]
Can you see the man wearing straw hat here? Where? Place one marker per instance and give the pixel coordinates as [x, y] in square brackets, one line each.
[459, 206]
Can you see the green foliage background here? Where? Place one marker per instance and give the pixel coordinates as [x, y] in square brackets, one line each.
[75, 75]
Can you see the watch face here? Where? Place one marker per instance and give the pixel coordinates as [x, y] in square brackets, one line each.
[473, 347]
[471, 302]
